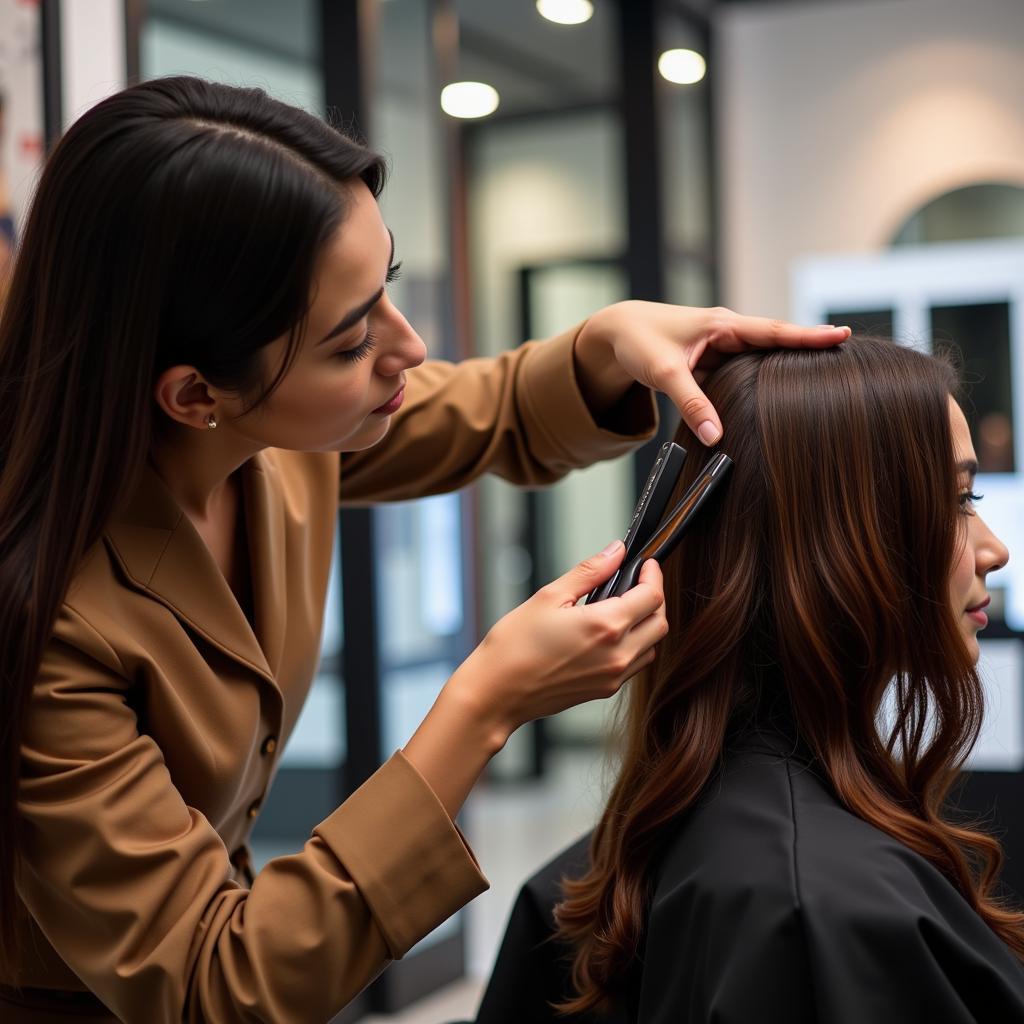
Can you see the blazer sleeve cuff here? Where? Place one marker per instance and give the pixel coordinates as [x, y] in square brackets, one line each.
[565, 428]
[406, 856]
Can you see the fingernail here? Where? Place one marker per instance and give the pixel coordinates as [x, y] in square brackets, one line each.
[830, 327]
[612, 548]
[708, 432]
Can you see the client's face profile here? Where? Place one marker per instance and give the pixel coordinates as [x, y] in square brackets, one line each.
[981, 551]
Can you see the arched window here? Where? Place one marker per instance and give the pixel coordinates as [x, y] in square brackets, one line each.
[974, 211]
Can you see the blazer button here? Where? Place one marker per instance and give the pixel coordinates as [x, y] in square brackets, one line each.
[269, 745]
[254, 809]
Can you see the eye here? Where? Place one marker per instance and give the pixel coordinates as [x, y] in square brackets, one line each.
[394, 273]
[967, 499]
[361, 351]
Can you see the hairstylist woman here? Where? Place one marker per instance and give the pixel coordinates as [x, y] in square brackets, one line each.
[203, 257]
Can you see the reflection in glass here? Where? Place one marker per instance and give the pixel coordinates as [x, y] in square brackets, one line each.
[863, 321]
[979, 336]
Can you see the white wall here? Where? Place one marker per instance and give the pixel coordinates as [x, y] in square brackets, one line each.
[837, 120]
[92, 53]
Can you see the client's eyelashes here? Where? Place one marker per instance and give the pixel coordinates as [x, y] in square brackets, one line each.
[967, 499]
[361, 351]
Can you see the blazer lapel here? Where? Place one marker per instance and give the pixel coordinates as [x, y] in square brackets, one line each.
[163, 555]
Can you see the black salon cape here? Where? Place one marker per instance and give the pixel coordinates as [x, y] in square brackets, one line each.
[774, 905]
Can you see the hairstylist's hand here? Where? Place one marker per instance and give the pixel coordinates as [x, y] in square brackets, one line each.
[543, 657]
[550, 654]
[673, 348]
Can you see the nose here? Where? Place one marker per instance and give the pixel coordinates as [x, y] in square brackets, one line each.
[401, 347]
[992, 552]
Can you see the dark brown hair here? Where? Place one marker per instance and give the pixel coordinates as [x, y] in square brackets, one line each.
[821, 578]
[178, 221]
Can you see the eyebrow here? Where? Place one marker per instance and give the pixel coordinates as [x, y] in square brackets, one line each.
[968, 466]
[353, 316]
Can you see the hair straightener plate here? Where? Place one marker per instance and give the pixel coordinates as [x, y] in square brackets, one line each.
[661, 482]
[668, 534]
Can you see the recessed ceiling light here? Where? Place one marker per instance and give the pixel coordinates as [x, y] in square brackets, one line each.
[469, 99]
[684, 67]
[566, 12]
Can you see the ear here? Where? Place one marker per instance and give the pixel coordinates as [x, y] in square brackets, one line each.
[184, 396]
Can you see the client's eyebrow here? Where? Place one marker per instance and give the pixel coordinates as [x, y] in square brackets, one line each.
[968, 466]
[353, 316]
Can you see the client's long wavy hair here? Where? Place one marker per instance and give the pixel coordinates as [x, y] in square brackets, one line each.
[824, 566]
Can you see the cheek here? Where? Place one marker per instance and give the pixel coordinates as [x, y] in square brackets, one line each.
[333, 391]
[963, 568]
[317, 409]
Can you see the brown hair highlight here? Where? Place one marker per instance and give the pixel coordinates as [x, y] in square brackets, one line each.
[818, 582]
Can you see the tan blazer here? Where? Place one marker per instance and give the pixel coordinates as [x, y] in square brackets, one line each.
[159, 717]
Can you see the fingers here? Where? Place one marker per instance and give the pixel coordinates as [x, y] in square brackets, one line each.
[643, 639]
[653, 628]
[585, 575]
[734, 333]
[693, 405]
[640, 662]
[642, 600]
[765, 332]
[650, 572]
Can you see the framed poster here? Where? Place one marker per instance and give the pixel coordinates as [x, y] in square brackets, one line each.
[21, 118]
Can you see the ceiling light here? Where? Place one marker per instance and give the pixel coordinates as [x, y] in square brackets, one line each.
[566, 12]
[684, 67]
[469, 99]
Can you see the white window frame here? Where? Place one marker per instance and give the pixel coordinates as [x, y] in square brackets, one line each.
[911, 280]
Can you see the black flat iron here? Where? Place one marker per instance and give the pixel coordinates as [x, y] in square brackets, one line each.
[652, 534]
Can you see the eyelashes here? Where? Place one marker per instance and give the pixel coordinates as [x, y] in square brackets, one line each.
[366, 346]
[361, 351]
[968, 498]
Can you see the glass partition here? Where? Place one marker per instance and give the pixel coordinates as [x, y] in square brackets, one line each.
[578, 515]
[241, 42]
[545, 186]
[684, 111]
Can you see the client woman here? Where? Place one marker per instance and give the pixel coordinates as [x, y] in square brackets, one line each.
[775, 847]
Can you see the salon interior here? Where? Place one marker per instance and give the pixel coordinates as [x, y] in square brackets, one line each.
[852, 162]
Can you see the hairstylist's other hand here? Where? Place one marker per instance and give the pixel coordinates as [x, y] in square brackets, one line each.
[673, 348]
[550, 654]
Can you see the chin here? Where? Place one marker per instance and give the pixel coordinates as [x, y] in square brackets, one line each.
[366, 437]
[973, 647]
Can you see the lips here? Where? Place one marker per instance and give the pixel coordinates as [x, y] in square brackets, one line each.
[384, 405]
[978, 607]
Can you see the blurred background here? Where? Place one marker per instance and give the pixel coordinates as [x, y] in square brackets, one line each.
[835, 161]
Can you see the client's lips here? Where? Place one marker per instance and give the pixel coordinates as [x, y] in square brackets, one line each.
[393, 402]
[978, 607]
